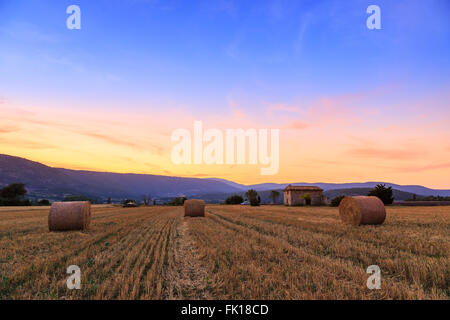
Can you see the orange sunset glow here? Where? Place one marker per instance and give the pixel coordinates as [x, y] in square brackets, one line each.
[411, 151]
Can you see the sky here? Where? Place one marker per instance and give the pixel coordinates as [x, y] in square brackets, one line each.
[352, 104]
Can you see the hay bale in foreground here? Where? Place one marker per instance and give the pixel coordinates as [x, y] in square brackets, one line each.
[362, 210]
[65, 216]
[194, 208]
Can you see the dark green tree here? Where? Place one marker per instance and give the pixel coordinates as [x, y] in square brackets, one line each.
[385, 194]
[234, 199]
[43, 202]
[336, 201]
[13, 191]
[178, 201]
[12, 195]
[253, 197]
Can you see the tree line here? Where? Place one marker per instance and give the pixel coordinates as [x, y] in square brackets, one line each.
[14, 195]
[381, 191]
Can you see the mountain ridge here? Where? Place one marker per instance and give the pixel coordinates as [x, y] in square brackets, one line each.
[43, 181]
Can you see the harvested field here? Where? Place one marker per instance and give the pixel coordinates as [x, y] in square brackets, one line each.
[234, 252]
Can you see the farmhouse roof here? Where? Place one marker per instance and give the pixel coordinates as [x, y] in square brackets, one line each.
[302, 188]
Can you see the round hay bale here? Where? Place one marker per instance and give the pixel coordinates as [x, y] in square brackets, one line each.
[362, 210]
[194, 208]
[65, 216]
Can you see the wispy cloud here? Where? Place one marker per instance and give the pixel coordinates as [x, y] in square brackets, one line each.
[325, 111]
[383, 153]
[110, 139]
[28, 32]
[26, 144]
[201, 175]
[123, 142]
[305, 22]
[79, 67]
[9, 129]
[297, 124]
[233, 49]
[436, 166]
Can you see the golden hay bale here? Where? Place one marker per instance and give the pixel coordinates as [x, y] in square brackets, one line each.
[69, 216]
[194, 208]
[362, 210]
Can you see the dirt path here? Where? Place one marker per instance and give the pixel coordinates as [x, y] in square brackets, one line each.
[187, 277]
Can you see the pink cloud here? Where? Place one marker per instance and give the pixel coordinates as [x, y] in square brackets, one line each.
[426, 167]
[110, 139]
[334, 111]
[27, 144]
[297, 124]
[396, 154]
[8, 129]
[326, 111]
[200, 175]
[122, 142]
[14, 111]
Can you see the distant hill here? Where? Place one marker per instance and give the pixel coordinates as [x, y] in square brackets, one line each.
[55, 183]
[334, 186]
[397, 194]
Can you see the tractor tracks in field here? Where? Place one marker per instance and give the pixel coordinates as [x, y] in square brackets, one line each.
[186, 276]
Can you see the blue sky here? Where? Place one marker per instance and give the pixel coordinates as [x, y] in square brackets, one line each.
[201, 52]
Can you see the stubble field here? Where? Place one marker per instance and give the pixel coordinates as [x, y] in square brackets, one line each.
[235, 252]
